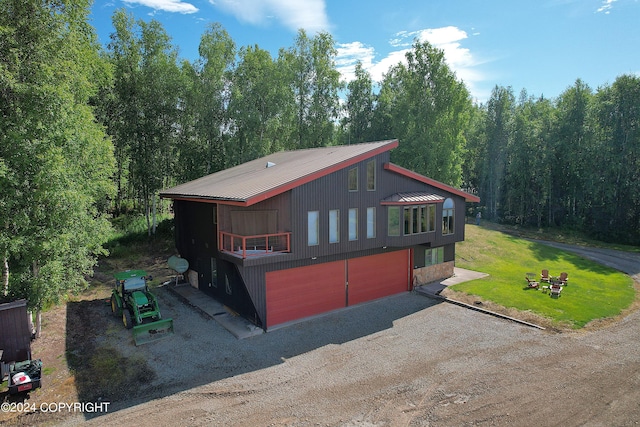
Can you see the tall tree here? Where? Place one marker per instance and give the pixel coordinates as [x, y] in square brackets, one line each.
[315, 83]
[207, 103]
[145, 105]
[618, 147]
[256, 105]
[57, 159]
[427, 107]
[498, 131]
[359, 105]
[529, 166]
[574, 153]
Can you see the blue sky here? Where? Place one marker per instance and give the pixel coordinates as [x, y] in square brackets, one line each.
[542, 46]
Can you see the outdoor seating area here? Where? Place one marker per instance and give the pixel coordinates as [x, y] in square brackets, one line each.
[554, 284]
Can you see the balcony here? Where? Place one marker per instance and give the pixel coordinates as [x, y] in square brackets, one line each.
[254, 246]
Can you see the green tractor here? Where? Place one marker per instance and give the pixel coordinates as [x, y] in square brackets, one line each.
[138, 307]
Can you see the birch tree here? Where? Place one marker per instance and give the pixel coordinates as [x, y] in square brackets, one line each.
[56, 159]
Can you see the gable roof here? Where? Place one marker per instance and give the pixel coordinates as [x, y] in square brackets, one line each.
[266, 177]
[263, 178]
[414, 175]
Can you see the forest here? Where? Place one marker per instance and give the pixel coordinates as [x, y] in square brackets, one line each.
[91, 132]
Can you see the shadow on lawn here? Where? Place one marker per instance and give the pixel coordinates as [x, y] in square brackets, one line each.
[577, 258]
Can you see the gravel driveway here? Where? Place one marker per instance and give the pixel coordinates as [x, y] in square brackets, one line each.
[407, 360]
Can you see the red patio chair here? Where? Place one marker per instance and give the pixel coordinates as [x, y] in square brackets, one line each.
[532, 283]
[544, 276]
[564, 278]
[555, 289]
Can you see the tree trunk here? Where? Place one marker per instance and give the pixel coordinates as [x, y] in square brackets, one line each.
[153, 229]
[5, 275]
[38, 322]
[36, 273]
[147, 212]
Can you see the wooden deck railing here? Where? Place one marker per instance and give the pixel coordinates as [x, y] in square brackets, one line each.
[259, 245]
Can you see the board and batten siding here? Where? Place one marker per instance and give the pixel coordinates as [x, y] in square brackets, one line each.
[331, 193]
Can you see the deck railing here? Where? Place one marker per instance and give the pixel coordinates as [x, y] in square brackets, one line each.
[259, 245]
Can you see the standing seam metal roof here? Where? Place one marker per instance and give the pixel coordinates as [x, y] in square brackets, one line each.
[252, 179]
[412, 198]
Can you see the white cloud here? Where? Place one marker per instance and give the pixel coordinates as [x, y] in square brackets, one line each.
[448, 39]
[606, 7]
[311, 15]
[166, 5]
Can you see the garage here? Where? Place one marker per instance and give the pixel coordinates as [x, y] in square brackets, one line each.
[306, 291]
[378, 276]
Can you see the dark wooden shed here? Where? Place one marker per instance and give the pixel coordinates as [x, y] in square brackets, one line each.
[15, 332]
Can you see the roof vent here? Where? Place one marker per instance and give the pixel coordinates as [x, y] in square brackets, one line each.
[270, 164]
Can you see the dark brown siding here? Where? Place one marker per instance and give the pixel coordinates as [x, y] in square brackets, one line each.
[15, 335]
[280, 203]
[195, 229]
[331, 192]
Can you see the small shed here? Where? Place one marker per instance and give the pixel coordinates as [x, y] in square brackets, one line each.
[15, 333]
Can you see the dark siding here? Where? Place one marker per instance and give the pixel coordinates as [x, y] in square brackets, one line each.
[15, 335]
[196, 234]
[280, 203]
[331, 192]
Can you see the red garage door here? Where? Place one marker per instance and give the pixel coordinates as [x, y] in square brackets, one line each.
[378, 276]
[305, 291]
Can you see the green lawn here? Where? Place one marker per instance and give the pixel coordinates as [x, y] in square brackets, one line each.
[594, 291]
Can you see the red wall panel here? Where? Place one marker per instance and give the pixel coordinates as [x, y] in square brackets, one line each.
[305, 291]
[378, 276]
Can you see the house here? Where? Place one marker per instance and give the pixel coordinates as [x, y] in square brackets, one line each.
[299, 233]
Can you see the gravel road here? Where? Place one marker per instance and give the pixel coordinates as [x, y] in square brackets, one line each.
[627, 262]
[407, 360]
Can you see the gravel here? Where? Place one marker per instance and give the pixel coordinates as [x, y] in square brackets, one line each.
[406, 360]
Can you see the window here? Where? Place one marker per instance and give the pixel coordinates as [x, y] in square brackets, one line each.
[447, 217]
[313, 228]
[353, 224]
[371, 175]
[353, 179]
[393, 220]
[419, 219]
[407, 221]
[433, 256]
[371, 223]
[431, 222]
[427, 218]
[334, 226]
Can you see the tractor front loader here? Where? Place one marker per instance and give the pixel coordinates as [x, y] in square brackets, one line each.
[138, 307]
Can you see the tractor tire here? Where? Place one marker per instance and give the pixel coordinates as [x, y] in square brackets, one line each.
[126, 319]
[114, 306]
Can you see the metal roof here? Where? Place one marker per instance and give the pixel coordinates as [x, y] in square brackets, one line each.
[412, 198]
[276, 173]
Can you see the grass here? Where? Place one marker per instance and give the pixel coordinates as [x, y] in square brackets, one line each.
[130, 232]
[106, 373]
[594, 291]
